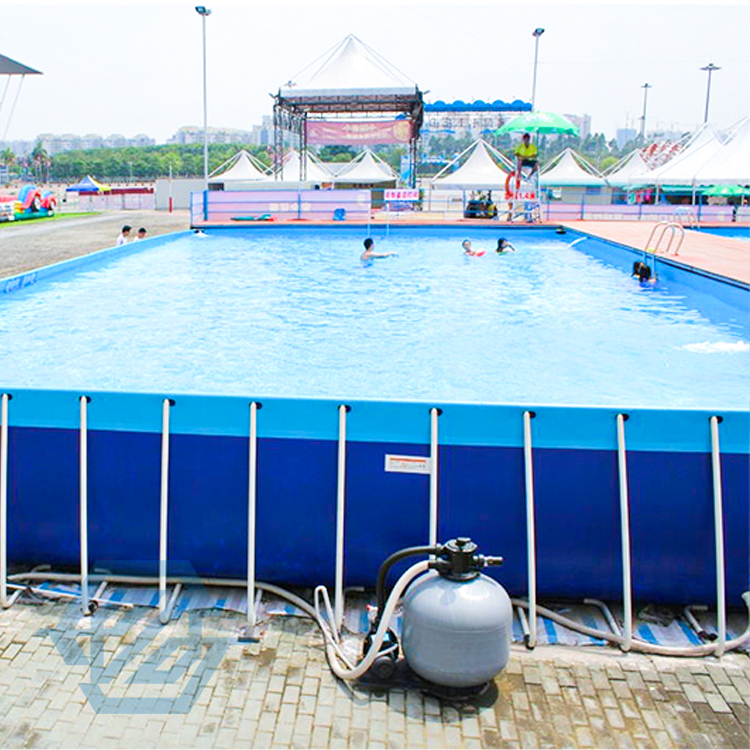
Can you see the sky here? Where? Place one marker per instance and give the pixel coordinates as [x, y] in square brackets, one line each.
[137, 67]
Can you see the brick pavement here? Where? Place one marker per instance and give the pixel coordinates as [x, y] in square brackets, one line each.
[280, 693]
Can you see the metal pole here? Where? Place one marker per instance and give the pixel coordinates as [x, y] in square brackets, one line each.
[536, 34]
[163, 505]
[645, 87]
[710, 68]
[205, 111]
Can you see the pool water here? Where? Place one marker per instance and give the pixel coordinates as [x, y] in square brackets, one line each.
[274, 312]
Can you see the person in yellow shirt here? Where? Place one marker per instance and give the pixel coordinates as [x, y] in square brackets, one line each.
[526, 154]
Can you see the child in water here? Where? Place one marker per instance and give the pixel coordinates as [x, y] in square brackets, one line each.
[466, 245]
[503, 246]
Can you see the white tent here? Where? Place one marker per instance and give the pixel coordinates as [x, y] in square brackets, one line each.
[629, 168]
[350, 68]
[682, 169]
[570, 169]
[290, 170]
[731, 163]
[479, 172]
[246, 168]
[366, 168]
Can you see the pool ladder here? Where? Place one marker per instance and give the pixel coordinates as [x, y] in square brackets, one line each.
[666, 237]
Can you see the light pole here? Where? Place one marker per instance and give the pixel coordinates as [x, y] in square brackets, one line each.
[710, 68]
[645, 87]
[204, 13]
[536, 34]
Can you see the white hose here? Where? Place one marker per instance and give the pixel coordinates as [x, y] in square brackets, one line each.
[333, 652]
[308, 609]
[638, 645]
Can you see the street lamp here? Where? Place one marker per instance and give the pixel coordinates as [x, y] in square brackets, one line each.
[710, 68]
[536, 34]
[645, 87]
[204, 13]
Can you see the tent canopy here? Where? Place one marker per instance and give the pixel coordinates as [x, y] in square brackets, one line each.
[366, 168]
[10, 67]
[479, 172]
[290, 170]
[629, 168]
[88, 185]
[730, 165]
[350, 68]
[570, 169]
[245, 168]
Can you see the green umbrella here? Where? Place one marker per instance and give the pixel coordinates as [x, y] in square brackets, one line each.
[728, 191]
[538, 122]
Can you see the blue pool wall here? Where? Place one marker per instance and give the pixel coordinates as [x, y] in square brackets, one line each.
[481, 490]
[481, 475]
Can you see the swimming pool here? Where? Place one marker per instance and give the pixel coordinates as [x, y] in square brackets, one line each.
[477, 424]
[238, 312]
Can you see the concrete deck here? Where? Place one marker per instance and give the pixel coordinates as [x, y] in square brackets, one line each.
[279, 693]
[720, 255]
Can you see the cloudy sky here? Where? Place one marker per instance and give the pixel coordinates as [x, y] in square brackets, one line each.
[137, 67]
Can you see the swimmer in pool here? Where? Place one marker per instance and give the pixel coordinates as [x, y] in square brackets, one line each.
[369, 253]
[466, 245]
[503, 246]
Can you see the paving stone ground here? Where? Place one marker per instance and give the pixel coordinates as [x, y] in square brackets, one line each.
[67, 681]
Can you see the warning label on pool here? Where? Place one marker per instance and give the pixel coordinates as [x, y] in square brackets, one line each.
[407, 464]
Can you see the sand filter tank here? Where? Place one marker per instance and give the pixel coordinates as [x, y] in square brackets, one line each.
[456, 622]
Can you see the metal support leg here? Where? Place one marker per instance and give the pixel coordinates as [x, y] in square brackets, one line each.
[252, 496]
[721, 607]
[83, 508]
[434, 414]
[5, 600]
[530, 525]
[338, 607]
[164, 607]
[627, 590]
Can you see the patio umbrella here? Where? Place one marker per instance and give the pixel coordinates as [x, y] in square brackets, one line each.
[727, 191]
[538, 122]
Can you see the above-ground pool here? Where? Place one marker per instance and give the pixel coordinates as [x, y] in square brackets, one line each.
[295, 313]
[400, 399]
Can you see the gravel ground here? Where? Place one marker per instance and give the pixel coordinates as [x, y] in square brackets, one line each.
[25, 245]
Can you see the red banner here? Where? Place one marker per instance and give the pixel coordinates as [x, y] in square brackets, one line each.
[368, 133]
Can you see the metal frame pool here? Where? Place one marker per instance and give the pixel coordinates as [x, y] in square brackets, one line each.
[614, 504]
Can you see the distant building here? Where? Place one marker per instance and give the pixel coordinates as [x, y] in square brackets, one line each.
[191, 134]
[625, 135]
[56, 144]
[583, 122]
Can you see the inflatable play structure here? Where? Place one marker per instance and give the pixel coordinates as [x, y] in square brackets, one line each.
[30, 203]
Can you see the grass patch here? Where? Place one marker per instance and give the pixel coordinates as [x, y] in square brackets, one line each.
[45, 219]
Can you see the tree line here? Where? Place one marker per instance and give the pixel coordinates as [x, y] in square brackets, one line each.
[147, 163]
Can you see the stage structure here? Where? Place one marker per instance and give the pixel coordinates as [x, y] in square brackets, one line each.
[349, 96]
[10, 68]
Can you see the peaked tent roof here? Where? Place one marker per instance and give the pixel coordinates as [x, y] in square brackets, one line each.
[290, 170]
[731, 164]
[570, 169]
[479, 172]
[88, 185]
[366, 168]
[10, 67]
[351, 67]
[631, 166]
[681, 170]
[244, 169]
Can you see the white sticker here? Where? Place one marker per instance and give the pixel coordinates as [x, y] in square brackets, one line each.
[407, 464]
